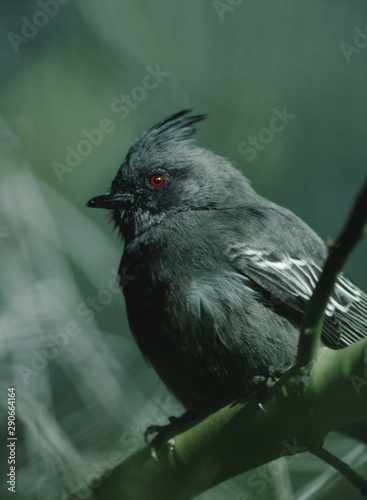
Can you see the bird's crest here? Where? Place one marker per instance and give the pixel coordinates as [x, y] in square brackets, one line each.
[176, 127]
[175, 122]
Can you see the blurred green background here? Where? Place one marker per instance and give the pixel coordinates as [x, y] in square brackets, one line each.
[84, 394]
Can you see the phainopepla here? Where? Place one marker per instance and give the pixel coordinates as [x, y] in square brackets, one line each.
[222, 275]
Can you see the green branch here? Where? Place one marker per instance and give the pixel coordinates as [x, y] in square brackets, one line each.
[240, 437]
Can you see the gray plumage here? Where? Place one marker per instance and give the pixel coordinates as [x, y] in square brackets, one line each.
[222, 275]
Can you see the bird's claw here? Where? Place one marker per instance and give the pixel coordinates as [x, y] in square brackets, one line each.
[153, 450]
[260, 405]
[153, 453]
[171, 444]
[152, 429]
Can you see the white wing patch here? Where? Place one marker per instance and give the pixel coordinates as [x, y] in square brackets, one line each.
[288, 277]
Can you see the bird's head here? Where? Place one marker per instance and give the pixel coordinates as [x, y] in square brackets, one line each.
[166, 172]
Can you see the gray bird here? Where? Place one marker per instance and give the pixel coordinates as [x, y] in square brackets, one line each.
[222, 275]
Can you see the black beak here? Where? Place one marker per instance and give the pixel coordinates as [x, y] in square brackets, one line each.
[108, 200]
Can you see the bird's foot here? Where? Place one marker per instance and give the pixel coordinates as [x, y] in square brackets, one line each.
[262, 384]
[157, 436]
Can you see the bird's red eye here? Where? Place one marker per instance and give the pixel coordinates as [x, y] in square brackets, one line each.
[156, 180]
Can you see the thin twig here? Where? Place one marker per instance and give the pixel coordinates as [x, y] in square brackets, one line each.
[342, 467]
[310, 338]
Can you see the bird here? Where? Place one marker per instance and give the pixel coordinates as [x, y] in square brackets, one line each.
[221, 275]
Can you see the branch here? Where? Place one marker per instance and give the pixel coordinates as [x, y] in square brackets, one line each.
[342, 467]
[310, 338]
[240, 436]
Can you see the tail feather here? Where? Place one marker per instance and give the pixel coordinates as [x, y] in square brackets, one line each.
[348, 322]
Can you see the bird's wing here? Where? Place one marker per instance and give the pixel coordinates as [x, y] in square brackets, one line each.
[291, 280]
